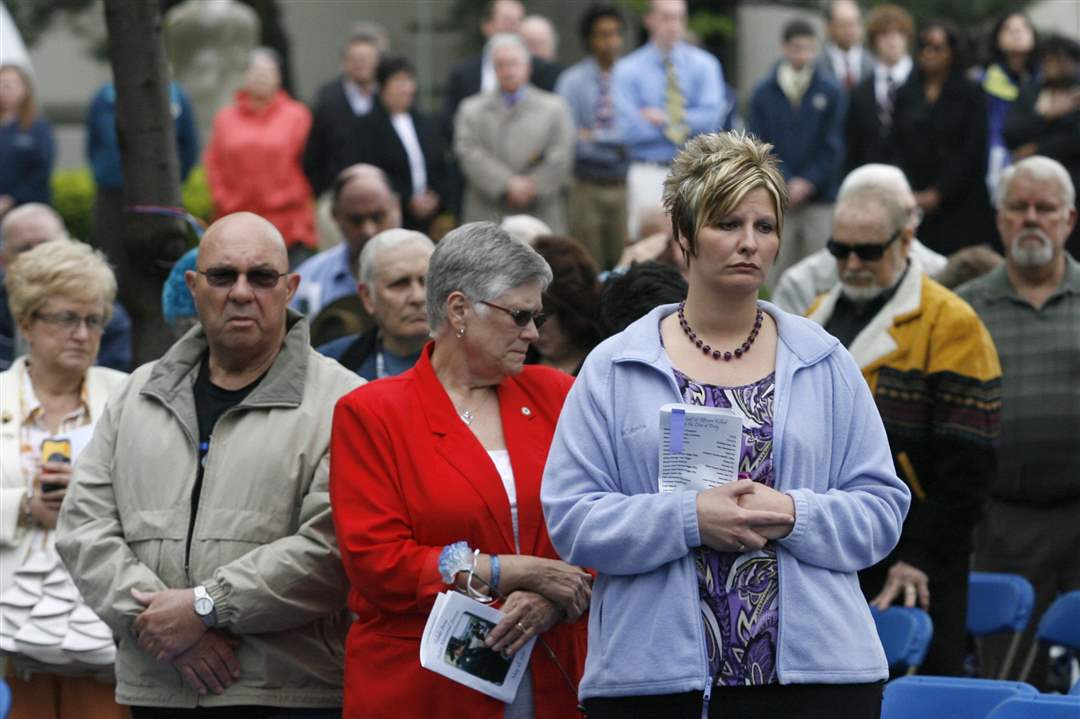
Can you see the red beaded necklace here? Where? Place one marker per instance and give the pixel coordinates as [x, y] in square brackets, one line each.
[737, 353]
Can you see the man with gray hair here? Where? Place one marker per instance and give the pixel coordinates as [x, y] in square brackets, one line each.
[198, 524]
[815, 274]
[392, 272]
[22, 229]
[935, 377]
[514, 145]
[1031, 306]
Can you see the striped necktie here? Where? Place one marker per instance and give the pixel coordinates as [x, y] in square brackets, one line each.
[675, 104]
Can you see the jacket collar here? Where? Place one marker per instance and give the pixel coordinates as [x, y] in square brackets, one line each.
[284, 382]
[996, 284]
[641, 340]
[95, 390]
[876, 341]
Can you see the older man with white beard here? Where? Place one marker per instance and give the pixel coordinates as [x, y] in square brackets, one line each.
[934, 374]
[1031, 306]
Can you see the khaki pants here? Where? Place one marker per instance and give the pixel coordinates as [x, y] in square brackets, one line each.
[598, 219]
[806, 230]
[645, 192]
[51, 696]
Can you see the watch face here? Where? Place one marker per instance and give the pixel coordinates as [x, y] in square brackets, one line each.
[203, 606]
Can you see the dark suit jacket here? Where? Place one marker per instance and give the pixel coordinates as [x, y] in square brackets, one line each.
[867, 139]
[331, 144]
[381, 146]
[464, 81]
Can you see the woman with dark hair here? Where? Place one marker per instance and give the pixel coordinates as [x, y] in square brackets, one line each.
[1012, 62]
[571, 304]
[939, 136]
[26, 142]
[405, 144]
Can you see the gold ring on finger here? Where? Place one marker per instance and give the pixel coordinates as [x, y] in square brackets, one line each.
[524, 629]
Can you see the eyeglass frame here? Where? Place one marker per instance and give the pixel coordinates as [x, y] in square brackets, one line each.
[224, 271]
[70, 321]
[861, 249]
[537, 318]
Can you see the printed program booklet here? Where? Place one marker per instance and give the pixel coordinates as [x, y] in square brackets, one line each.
[699, 447]
[453, 645]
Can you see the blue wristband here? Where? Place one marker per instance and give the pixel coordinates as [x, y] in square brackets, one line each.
[494, 573]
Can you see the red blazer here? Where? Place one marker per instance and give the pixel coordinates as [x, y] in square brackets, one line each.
[407, 477]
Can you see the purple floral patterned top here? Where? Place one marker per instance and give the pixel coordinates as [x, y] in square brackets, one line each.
[739, 592]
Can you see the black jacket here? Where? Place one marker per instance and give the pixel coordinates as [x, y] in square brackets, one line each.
[332, 144]
[867, 140]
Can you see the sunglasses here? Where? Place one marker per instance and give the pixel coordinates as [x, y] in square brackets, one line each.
[521, 317]
[865, 252]
[261, 278]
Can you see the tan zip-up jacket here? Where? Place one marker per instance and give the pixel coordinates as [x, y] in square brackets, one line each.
[263, 541]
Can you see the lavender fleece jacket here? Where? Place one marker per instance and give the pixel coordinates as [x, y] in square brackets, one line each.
[603, 511]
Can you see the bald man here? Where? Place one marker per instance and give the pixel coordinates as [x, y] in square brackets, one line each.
[200, 530]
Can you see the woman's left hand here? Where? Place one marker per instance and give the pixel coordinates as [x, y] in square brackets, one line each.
[768, 499]
[526, 614]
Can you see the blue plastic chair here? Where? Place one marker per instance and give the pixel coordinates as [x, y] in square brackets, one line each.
[5, 699]
[1060, 625]
[999, 603]
[952, 697]
[905, 634]
[1075, 691]
[1041, 706]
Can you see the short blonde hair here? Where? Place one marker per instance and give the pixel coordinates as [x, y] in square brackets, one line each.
[59, 268]
[711, 176]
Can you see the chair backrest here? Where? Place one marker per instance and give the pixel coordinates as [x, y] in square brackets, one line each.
[1060, 624]
[905, 634]
[952, 697]
[1041, 706]
[1075, 691]
[998, 603]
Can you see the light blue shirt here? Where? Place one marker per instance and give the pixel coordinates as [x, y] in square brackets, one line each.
[604, 155]
[324, 278]
[641, 81]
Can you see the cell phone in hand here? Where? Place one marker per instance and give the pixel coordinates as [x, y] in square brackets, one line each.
[55, 450]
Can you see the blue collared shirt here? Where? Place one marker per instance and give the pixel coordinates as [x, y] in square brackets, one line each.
[604, 155]
[641, 81]
[324, 278]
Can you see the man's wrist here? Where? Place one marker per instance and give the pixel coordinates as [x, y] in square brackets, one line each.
[204, 606]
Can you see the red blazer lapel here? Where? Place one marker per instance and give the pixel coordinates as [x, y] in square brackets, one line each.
[523, 430]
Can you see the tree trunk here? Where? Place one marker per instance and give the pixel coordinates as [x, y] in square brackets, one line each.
[149, 243]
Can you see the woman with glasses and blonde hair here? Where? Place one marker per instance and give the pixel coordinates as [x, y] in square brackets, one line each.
[61, 295]
[435, 483]
[743, 596]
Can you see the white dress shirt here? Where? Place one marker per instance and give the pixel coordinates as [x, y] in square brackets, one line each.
[406, 132]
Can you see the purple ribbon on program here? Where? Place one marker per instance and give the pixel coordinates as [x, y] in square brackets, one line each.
[678, 425]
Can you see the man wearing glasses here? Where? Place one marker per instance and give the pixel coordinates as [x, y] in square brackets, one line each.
[200, 528]
[934, 373]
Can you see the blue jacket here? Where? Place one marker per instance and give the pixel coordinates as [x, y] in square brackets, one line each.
[809, 139]
[26, 161]
[603, 511]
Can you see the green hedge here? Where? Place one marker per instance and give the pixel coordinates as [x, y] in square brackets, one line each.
[73, 198]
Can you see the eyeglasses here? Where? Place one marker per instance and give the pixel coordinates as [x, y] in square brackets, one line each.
[521, 317]
[866, 252]
[261, 278]
[70, 321]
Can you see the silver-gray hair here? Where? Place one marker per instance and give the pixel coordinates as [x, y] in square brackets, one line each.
[480, 260]
[869, 196]
[507, 39]
[1038, 167]
[368, 264]
[875, 174]
[31, 208]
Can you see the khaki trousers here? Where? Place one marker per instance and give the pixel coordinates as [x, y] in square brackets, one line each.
[598, 219]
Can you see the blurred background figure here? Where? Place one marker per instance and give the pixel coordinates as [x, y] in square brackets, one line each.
[868, 130]
[405, 143]
[1012, 63]
[253, 162]
[61, 293]
[843, 58]
[968, 264]
[525, 227]
[27, 148]
[571, 306]
[392, 274]
[540, 37]
[628, 296]
[514, 145]
[800, 112]
[1045, 119]
[597, 202]
[939, 136]
[666, 92]
[177, 304]
[331, 145]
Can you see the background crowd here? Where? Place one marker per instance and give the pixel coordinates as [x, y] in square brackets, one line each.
[905, 170]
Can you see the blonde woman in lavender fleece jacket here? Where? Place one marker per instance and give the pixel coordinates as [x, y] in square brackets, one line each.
[742, 598]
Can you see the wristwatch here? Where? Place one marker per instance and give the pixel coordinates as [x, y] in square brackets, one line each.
[204, 606]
